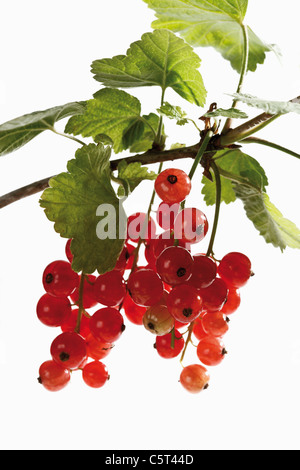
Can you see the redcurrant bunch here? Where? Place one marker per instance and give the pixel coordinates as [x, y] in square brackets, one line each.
[157, 282]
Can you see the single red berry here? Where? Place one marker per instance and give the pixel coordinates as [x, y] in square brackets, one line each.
[122, 260]
[97, 349]
[68, 251]
[172, 185]
[204, 271]
[70, 323]
[194, 378]
[235, 269]
[68, 350]
[211, 351]
[190, 226]
[215, 324]
[133, 312]
[233, 301]
[150, 258]
[145, 287]
[175, 265]
[59, 279]
[107, 324]
[110, 289]
[164, 345]
[138, 227]
[88, 298]
[53, 376]
[214, 296]
[184, 303]
[53, 311]
[166, 214]
[198, 329]
[95, 374]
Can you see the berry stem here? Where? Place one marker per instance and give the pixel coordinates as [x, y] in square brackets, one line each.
[187, 342]
[217, 210]
[203, 146]
[243, 73]
[80, 303]
[145, 224]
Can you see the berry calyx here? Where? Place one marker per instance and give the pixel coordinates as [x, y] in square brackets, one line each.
[59, 279]
[68, 350]
[95, 374]
[107, 324]
[53, 377]
[211, 351]
[175, 265]
[235, 269]
[172, 185]
[194, 378]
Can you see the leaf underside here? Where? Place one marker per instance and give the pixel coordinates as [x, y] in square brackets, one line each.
[18, 132]
[270, 107]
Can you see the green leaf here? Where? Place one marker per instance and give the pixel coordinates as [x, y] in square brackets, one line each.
[216, 23]
[234, 166]
[134, 174]
[270, 107]
[116, 115]
[160, 59]
[267, 219]
[18, 132]
[231, 113]
[173, 112]
[72, 202]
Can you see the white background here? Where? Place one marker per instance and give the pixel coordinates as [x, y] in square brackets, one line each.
[253, 401]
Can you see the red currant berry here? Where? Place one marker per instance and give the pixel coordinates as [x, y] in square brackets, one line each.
[88, 299]
[190, 226]
[194, 378]
[97, 349]
[53, 377]
[145, 287]
[68, 251]
[137, 227]
[233, 301]
[70, 323]
[53, 311]
[175, 265]
[68, 350]
[172, 185]
[184, 303]
[164, 347]
[59, 279]
[158, 320]
[110, 289]
[95, 374]
[166, 214]
[122, 260]
[198, 329]
[204, 271]
[150, 258]
[214, 324]
[133, 312]
[130, 255]
[214, 296]
[211, 351]
[235, 269]
[107, 324]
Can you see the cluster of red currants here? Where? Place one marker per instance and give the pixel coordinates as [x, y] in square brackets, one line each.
[174, 290]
